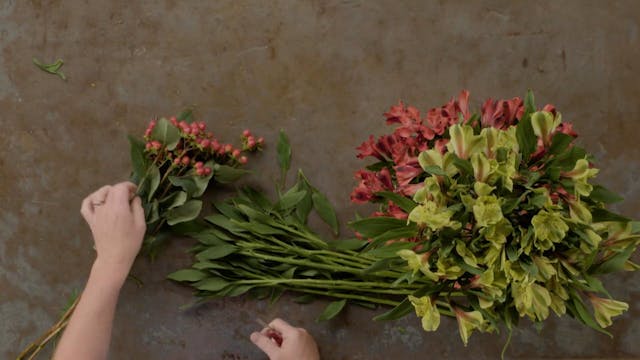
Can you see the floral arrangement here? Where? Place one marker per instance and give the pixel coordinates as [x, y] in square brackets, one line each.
[504, 220]
[485, 217]
[173, 164]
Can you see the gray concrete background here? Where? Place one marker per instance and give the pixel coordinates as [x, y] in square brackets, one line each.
[324, 71]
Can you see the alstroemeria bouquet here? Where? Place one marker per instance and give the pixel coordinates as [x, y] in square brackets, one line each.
[173, 164]
[496, 211]
[484, 217]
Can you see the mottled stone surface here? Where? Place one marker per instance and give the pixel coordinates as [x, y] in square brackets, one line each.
[324, 71]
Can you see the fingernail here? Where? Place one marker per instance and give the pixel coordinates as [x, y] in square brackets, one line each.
[254, 336]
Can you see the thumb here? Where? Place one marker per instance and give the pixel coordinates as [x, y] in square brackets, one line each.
[137, 210]
[265, 344]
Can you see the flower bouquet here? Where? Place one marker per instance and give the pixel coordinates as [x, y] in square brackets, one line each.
[173, 165]
[485, 217]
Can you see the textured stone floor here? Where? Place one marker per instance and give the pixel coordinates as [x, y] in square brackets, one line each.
[324, 71]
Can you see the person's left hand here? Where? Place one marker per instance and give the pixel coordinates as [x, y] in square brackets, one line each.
[117, 222]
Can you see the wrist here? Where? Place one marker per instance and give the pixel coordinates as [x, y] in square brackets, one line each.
[109, 272]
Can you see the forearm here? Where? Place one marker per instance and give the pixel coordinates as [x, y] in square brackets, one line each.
[89, 331]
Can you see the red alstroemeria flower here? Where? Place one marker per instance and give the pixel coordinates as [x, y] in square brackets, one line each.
[502, 113]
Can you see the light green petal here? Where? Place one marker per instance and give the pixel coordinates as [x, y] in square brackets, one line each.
[605, 309]
[487, 211]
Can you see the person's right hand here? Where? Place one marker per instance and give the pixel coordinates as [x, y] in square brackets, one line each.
[116, 219]
[297, 343]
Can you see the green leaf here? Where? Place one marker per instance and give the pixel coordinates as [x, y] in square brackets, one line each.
[374, 226]
[53, 68]
[400, 311]
[189, 211]
[347, 244]
[600, 215]
[559, 143]
[187, 275]
[175, 199]
[403, 202]
[284, 152]
[306, 204]
[604, 195]
[579, 311]
[527, 139]
[389, 251]
[186, 183]
[529, 102]
[166, 133]
[324, 208]
[615, 263]
[408, 231]
[216, 252]
[383, 264]
[225, 174]
[201, 182]
[463, 165]
[214, 284]
[332, 310]
[434, 170]
[154, 180]
[138, 159]
[290, 199]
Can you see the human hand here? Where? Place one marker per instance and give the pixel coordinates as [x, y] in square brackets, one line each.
[297, 343]
[117, 225]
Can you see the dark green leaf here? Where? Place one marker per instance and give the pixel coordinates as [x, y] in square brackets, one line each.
[380, 265]
[186, 183]
[332, 310]
[567, 160]
[216, 252]
[153, 177]
[176, 199]
[400, 311]
[579, 311]
[389, 251]
[166, 133]
[408, 231]
[256, 197]
[225, 174]
[208, 237]
[604, 195]
[201, 182]
[374, 226]
[529, 102]
[187, 275]
[236, 290]
[600, 215]
[188, 211]
[527, 139]
[463, 165]
[223, 222]
[559, 143]
[284, 152]
[290, 199]
[214, 284]
[403, 202]
[138, 159]
[324, 208]
[306, 204]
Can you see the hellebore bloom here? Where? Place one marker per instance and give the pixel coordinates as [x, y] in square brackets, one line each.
[605, 309]
[469, 321]
[549, 228]
[427, 311]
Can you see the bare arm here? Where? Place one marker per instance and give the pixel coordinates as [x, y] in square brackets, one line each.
[118, 228]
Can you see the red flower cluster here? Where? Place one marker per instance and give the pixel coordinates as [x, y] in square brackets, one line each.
[398, 170]
[197, 146]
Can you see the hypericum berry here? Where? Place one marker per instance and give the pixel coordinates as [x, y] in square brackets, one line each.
[207, 170]
[235, 153]
[152, 123]
[183, 124]
[228, 148]
[199, 165]
[187, 130]
[261, 141]
[176, 161]
[246, 133]
[156, 144]
[173, 120]
[251, 142]
[148, 146]
[147, 132]
[200, 171]
[185, 160]
[205, 143]
[243, 160]
[202, 125]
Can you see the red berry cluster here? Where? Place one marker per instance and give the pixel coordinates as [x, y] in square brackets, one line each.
[197, 146]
